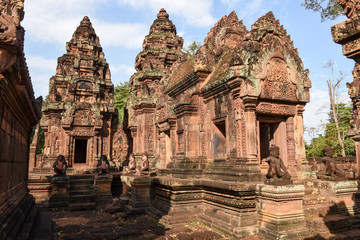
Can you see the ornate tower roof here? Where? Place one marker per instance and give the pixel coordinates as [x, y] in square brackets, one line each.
[161, 47]
[82, 74]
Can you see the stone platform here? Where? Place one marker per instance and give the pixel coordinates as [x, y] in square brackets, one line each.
[77, 192]
[226, 206]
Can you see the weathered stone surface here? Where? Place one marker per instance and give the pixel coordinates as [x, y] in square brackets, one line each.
[79, 118]
[347, 34]
[136, 194]
[103, 188]
[161, 48]
[224, 205]
[18, 114]
[207, 129]
[281, 213]
[221, 104]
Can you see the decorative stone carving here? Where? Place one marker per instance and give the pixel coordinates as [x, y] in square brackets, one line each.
[351, 7]
[60, 165]
[277, 171]
[78, 117]
[346, 33]
[18, 115]
[331, 171]
[131, 168]
[143, 169]
[161, 48]
[12, 34]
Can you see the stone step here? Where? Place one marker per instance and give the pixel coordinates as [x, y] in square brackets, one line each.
[81, 187]
[81, 177]
[80, 192]
[81, 182]
[82, 206]
[82, 198]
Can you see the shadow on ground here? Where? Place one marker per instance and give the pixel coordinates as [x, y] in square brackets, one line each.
[340, 224]
[100, 224]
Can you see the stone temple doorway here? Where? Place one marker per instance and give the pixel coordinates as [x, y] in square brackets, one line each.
[80, 150]
[272, 131]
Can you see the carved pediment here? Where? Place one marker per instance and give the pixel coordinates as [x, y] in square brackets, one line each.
[277, 84]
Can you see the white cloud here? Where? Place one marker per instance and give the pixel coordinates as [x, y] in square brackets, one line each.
[39, 62]
[41, 69]
[123, 68]
[127, 35]
[55, 22]
[40, 83]
[248, 8]
[197, 13]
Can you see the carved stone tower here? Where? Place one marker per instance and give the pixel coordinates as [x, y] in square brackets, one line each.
[161, 48]
[79, 114]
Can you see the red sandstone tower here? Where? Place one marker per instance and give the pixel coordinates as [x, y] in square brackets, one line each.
[79, 114]
[161, 48]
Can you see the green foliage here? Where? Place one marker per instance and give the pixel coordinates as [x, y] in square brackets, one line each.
[314, 149]
[121, 94]
[328, 9]
[41, 141]
[41, 144]
[193, 47]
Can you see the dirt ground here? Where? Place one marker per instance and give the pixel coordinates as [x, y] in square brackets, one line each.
[100, 224]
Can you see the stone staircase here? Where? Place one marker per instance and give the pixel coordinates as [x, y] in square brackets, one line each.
[81, 192]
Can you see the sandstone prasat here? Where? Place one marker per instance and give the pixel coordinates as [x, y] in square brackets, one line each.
[215, 137]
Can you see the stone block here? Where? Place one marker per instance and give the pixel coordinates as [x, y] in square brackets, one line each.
[137, 190]
[103, 188]
[281, 212]
[60, 192]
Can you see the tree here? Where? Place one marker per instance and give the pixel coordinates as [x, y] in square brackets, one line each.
[193, 47]
[333, 85]
[328, 9]
[314, 149]
[121, 94]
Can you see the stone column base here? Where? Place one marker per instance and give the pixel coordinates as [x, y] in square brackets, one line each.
[103, 188]
[281, 213]
[59, 195]
[137, 191]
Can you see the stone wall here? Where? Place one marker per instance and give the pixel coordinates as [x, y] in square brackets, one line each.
[18, 114]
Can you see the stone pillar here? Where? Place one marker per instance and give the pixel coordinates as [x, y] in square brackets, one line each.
[103, 188]
[281, 213]
[347, 33]
[290, 144]
[304, 171]
[33, 149]
[60, 192]
[137, 190]
[250, 132]
[135, 138]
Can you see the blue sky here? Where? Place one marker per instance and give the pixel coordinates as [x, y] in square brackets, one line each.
[122, 25]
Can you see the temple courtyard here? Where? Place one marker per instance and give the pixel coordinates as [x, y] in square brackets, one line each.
[208, 145]
[105, 224]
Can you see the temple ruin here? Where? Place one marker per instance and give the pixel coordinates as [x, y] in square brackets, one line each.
[209, 122]
[19, 112]
[79, 118]
[241, 92]
[161, 48]
[215, 137]
[346, 33]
